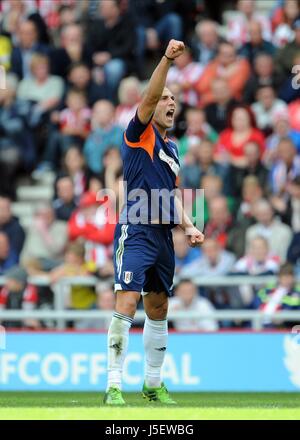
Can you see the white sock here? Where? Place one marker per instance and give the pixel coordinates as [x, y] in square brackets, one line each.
[117, 343]
[155, 337]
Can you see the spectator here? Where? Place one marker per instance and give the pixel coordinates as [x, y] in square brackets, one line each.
[213, 187]
[196, 129]
[242, 130]
[67, 14]
[46, 239]
[272, 229]
[282, 22]
[79, 78]
[8, 257]
[17, 146]
[112, 170]
[285, 56]
[72, 50]
[258, 260]
[112, 41]
[293, 255]
[256, 43]
[205, 42]
[222, 105]
[129, 97]
[105, 301]
[264, 74]
[288, 207]
[251, 193]
[95, 183]
[74, 119]
[220, 221]
[282, 130]
[10, 226]
[187, 299]
[156, 23]
[74, 166]
[28, 44]
[214, 261]
[266, 108]
[73, 128]
[227, 66]
[183, 253]
[286, 167]
[186, 73]
[17, 294]
[238, 24]
[82, 297]
[12, 15]
[91, 223]
[104, 134]
[65, 203]
[285, 295]
[42, 89]
[253, 167]
[200, 162]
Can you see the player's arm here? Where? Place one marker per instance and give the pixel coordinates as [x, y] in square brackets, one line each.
[195, 237]
[157, 81]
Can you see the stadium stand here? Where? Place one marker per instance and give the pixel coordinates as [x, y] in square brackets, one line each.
[75, 72]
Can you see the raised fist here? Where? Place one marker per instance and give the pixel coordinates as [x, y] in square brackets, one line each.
[175, 48]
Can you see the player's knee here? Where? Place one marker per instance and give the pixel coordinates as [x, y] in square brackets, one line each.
[127, 305]
[158, 311]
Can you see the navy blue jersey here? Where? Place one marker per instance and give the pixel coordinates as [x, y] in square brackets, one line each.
[149, 163]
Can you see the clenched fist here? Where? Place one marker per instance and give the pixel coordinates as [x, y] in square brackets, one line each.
[175, 49]
[195, 237]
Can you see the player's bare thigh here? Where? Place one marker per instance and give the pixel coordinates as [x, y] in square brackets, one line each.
[156, 305]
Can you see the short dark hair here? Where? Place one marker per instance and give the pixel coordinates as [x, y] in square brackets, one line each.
[6, 196]
[76, 91]
[286, 269]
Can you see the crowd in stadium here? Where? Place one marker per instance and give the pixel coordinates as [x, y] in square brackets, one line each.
[75, 72]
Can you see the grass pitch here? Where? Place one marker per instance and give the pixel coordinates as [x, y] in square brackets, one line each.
[191, 406]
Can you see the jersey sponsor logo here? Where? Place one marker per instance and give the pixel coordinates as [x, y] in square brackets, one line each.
[170, 161]
[127, 277]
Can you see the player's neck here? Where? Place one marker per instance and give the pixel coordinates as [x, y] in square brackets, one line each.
[162, 131]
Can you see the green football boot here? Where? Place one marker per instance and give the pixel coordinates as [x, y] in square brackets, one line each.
[113, 397]
[158, 395]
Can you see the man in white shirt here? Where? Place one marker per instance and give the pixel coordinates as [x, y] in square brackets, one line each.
[271, 228]
[188, 299]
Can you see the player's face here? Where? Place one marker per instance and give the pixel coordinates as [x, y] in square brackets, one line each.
[165, 110]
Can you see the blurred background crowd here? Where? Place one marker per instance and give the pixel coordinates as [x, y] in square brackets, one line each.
[75, 71]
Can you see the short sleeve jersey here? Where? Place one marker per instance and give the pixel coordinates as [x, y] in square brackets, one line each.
[151, 168]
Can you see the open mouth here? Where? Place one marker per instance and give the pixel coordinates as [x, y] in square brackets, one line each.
[170, 113]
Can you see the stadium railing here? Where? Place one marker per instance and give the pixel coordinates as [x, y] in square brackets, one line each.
[62, 315]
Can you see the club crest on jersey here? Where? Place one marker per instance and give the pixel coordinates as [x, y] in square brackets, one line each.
[170, 161]
[127, 277]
